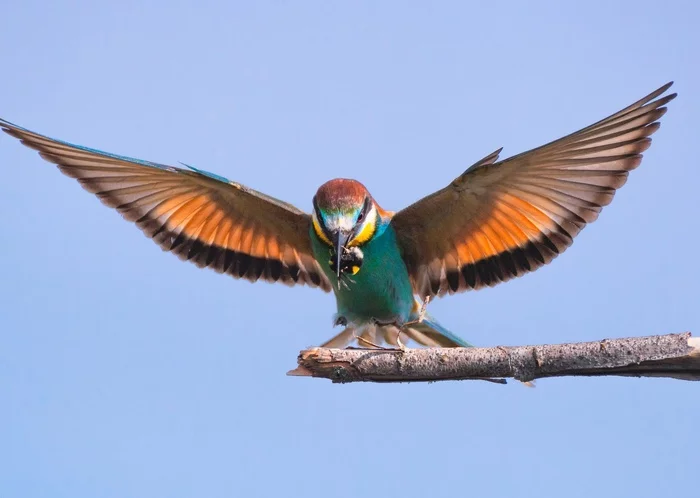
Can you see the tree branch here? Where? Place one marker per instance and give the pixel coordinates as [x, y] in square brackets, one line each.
[674, 355]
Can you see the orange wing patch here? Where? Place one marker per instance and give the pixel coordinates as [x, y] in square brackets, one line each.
[512, 223]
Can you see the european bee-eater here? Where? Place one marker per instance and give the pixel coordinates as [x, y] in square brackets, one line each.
[496, 221]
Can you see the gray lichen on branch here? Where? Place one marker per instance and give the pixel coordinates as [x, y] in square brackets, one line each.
[674, 355]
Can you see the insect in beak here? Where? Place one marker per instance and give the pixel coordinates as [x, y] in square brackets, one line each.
[340, 240]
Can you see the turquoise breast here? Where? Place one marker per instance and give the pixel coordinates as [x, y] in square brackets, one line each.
[381, 290]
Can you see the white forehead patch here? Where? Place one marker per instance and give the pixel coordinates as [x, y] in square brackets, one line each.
[338, 222]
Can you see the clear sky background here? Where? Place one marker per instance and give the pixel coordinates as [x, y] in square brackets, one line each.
[127, 373]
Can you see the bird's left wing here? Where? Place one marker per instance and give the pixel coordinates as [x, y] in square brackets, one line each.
[500, 220]
[201, 217]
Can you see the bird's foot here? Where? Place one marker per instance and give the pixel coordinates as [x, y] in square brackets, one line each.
[400, 347]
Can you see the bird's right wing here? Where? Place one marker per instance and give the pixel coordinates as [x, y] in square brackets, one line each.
[502, 219]
[199, 216]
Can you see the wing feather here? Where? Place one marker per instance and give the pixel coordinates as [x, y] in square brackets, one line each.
[199, 216]
[502, 219]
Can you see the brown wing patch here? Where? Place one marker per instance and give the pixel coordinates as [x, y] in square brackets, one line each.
[201, 218]
[500, 220]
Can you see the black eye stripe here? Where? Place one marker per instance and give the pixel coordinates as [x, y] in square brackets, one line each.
[363, 214]
[365, 209]
[321, 222]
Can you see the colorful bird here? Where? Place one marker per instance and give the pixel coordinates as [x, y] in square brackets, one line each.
[496, 221]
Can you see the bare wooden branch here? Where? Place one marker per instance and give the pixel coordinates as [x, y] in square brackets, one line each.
[674, 355]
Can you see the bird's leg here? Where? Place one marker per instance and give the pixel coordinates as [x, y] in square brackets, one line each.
[399, 328]
[377, 323]
[368, 342]
[421, 313]
[361, 339]
[423, 309]
[399, 344]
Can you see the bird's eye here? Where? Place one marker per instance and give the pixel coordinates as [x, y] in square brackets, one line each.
[361, 217]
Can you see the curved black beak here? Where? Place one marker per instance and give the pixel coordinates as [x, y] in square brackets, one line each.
[340, 240]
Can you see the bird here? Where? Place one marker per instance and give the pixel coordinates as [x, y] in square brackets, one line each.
[498, 220]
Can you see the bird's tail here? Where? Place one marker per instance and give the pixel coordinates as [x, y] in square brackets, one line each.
[426, 332]
[342, 340]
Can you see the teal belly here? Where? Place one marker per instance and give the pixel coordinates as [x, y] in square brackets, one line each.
[381, 290]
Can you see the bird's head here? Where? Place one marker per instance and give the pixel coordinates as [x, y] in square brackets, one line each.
[345, 216]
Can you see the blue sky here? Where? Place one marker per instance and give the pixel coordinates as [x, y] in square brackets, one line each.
[127, 373]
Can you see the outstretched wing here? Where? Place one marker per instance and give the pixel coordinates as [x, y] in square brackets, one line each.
[500, 220]
[201, 217]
